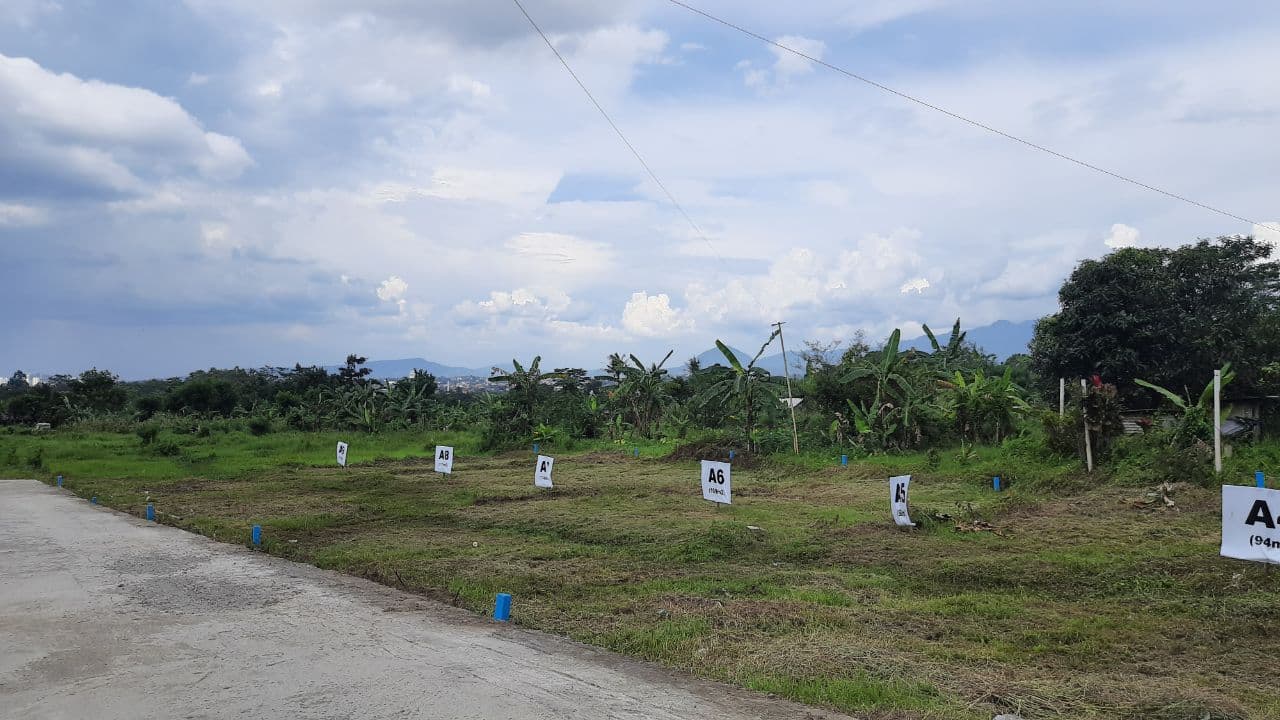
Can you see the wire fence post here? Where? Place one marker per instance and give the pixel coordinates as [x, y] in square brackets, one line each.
[1084, 416]
[1217, 421]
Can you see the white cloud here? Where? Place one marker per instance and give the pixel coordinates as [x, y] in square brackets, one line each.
[786, 64]
[392, 289]
[918, 285]
[873, 13]
[1122, 236]
[652, 316]
[521, 302]
[103, 134]
[17, 215]
[217, 238]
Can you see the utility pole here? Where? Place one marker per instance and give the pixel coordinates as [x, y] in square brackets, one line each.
[791, 400]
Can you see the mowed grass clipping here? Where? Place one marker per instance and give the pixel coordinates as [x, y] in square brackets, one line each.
[1096, 604]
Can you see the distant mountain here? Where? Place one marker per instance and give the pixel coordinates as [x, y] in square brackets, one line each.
[1001, 338]
[395, 369]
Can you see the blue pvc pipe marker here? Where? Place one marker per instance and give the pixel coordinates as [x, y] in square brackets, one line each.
[151, 512]
[637, 452]
[257, 534]
[502, 607]
[1260, 479]
[93, 500]
[844, 460]
[730, 454]
[59, 481]
[535, 447]
[995, 482]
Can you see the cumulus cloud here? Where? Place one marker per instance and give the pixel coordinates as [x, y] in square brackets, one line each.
[918, 285]
[60, 129]
[521, 302]
[1122, 236]
[652, 316]
[393, 290]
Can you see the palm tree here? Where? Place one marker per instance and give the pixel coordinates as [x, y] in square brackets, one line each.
[744, 389]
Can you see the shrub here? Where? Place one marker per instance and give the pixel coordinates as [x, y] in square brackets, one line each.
[167, 448]
[147, 432]
[259, 425]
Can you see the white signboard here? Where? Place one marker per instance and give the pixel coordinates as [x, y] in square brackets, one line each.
[898, 500]
[342, 454]
[444, 459]
[716, 483]
[542, 475]
[1251, 523]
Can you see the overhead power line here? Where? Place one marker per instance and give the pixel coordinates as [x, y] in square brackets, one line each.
[962, 118]
[652, 175]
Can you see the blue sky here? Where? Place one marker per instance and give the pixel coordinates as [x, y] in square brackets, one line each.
[220, 182]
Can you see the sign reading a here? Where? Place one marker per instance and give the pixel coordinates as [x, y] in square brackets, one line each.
[444, 459]
[1251, 523]
[898, 502]
[716, 483]
[342, 454]
[542, 475]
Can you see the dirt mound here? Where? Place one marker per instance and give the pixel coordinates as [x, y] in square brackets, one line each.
[714, 450]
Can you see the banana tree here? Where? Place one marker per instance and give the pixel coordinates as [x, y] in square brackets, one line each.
[741, 389]
[644, 390]
[1195, 422]
[945, 358]
[525, 389]
[985, 406]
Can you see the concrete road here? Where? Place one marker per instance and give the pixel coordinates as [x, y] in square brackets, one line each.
[106, 616]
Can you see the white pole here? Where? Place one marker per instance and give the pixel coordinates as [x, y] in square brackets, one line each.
[1062, 397]
[1088, 445]
[1217, 421]
[795, 435]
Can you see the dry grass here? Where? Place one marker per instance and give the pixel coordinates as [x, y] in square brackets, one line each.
[1089, 606]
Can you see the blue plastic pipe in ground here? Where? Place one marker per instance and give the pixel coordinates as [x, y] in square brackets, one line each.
[151, 512]
[995, 482]
[502, 607]
[1260, 479]
[535, 447]
[93, 500]
[59, 481]
[257, 534]
[844, 460]
[730, 454]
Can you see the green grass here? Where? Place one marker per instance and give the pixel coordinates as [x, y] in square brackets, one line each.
[1087, 602]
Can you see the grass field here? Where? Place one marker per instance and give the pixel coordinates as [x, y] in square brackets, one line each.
[1087, 601]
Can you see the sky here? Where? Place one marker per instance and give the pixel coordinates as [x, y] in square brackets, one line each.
[197, 183]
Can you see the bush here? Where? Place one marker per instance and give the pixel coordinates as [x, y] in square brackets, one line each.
[167, 448]
[147, 432]
[259, 425]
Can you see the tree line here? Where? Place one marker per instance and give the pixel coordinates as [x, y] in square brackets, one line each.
[1146, 326]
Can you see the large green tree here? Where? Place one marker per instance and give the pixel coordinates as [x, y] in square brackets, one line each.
[1166, 315]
